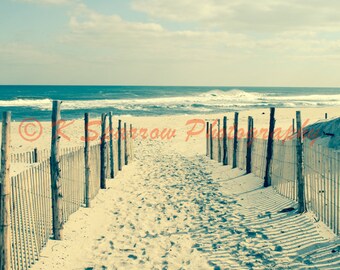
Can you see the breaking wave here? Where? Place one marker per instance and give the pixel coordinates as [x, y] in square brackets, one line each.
[210, 101]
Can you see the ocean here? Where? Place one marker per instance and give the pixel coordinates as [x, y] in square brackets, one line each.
[35, 101]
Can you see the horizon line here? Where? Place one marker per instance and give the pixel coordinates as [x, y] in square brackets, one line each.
[147, 85]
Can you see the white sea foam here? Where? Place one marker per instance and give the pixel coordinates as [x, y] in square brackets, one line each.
[36, 103]
[208, 101]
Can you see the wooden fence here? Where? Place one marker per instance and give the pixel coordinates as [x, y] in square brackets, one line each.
[31, 194]
[33, 156]
[284, 168]
[321, 171]
[31, 215]
[37, 155]
[259, 157]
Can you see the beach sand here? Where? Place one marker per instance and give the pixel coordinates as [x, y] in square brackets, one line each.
[173, 208]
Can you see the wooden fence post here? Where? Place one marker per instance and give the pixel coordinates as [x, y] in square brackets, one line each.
[126, 158]
[119, 145]
[250, 138]
[267, 177]
[35, 155]
[103, 153]
[293, 124]
[57, 214]
[235, 140]
[112, 168]
[5, 194]
[225, 145]
[131, 144]
[219, 141]
[87, 161]
[211, 142]
[207, 138]
[299, 159]
[326, 115]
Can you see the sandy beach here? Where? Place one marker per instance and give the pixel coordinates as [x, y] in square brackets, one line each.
[172, 77]
[170, 135]
[173, 208]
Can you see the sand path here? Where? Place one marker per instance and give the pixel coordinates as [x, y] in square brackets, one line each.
[171, 211]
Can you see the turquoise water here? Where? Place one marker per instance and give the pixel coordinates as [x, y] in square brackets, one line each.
[35, 101]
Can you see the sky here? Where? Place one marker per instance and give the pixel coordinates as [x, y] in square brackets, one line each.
[170, 42]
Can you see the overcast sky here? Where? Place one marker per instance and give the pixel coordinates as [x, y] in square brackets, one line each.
[170, 42]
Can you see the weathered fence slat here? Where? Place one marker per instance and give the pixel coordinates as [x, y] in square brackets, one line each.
[130, 143]
[207, 138]
[211, 142]
[267, 177]
[219, 149]
[299, 158]
[225, 139]
[126, 154]
[119, 145]
[250, 138]
[103, 152]
[55, 174]
[87, 161]
[235, 140]
[112, 169]
[5, 194]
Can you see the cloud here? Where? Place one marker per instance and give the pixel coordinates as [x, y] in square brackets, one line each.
[143, 40]
[85, 19]
[244, 15]
[224, 42]
[18, 53]
[49, 2]
[150, 51]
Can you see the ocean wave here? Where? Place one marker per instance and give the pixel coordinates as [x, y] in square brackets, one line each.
[329, 98]
[234, 94]
[212, 100]
[21, 102]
